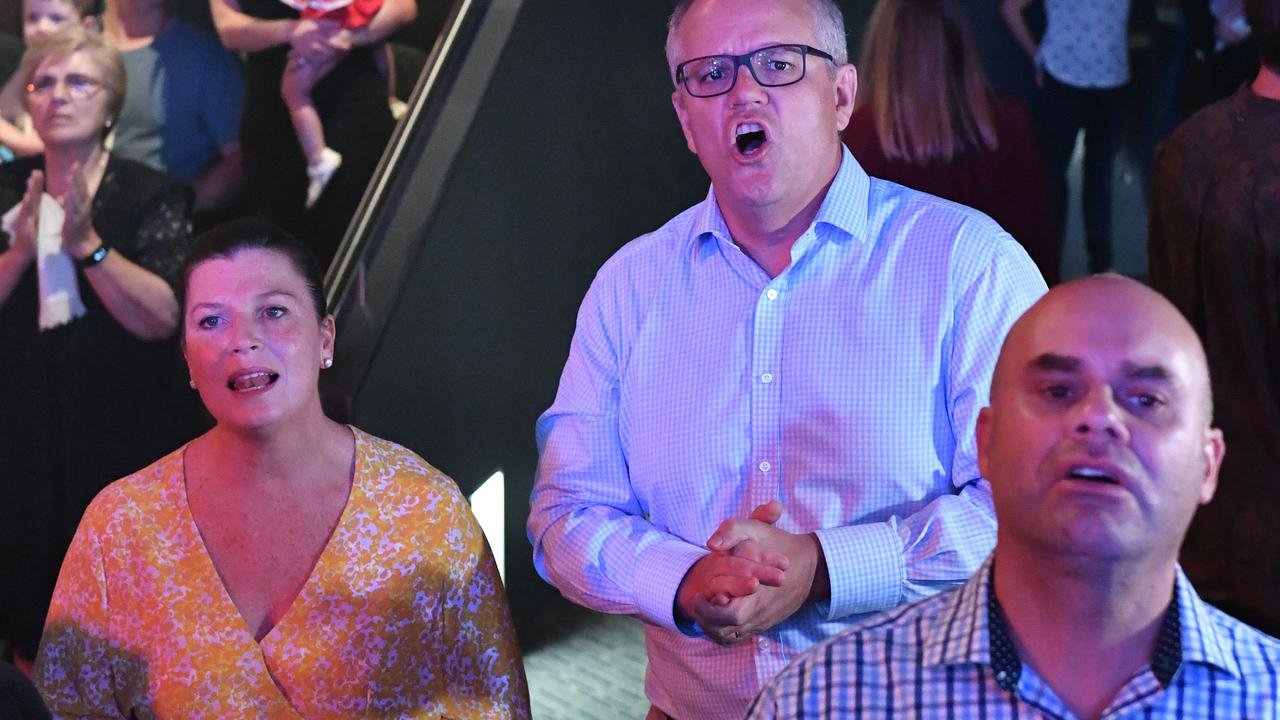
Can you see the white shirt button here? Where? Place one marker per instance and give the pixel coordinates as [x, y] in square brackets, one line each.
[766, 378]
[771, 293]
[764, 643]
[765, 466]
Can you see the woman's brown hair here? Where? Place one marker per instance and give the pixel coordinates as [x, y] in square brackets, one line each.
[924, 82]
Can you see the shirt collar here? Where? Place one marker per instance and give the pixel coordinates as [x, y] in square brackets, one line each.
[1202, 640]
[971, 629]
[843, 209]
[1245, 104]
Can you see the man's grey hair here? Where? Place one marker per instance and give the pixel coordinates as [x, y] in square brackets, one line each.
[828, 26]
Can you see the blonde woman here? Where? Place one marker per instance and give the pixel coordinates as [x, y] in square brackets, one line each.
[40, 18]
[88, 316]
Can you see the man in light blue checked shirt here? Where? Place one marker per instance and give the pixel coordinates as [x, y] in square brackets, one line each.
[801, 357]
[1099, 446]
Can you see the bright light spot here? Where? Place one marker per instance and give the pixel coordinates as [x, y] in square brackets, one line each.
[488, 504]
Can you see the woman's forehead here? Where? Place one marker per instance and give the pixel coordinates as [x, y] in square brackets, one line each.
[74, 61]
[247, 262]
[250, 271]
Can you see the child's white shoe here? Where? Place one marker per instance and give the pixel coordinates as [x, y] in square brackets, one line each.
[320, 173]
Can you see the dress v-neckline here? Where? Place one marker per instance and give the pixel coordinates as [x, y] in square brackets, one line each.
[263, 644]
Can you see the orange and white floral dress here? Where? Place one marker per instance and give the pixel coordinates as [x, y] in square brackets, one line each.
[403, 616]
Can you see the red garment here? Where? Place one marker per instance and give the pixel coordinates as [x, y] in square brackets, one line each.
[1007, 183]
[357, 14]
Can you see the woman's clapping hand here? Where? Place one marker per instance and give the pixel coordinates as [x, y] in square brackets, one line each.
[27, 225]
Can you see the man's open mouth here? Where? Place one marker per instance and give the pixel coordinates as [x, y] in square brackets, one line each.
[1092, 475]
[749, 137]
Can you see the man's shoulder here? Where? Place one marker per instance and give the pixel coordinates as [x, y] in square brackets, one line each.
[1206, 125]
[916, 614]
[897, 634]
[1218, 126]
[889, 199]
[1257, 652]
[931, 233]
[653, 250]
[872, 651]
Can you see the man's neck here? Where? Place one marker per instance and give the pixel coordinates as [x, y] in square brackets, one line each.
[1086, 625]
[1267, 83]
[767, 235]
[130, 30]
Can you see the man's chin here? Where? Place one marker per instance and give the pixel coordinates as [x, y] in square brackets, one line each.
[750, 188]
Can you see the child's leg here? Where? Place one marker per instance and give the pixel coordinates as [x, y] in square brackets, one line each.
[322, 162]
[387, 66]
[296, 87]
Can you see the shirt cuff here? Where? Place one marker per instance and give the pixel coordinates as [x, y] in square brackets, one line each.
[658, 574]
[866, 568]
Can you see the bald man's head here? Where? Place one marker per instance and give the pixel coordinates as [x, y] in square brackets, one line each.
[1098, 438]
[1108, 306]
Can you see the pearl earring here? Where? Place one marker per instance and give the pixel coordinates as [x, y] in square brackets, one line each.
[192, 383]
[328, 363]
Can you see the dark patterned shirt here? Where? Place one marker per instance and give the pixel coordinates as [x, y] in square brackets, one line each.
[950, 657]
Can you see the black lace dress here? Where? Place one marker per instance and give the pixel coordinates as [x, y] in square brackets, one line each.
[88, 402]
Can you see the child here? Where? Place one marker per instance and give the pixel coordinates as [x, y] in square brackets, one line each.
[39, 18]
[300, 77]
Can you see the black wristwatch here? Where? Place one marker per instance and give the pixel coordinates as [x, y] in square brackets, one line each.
[94, 257]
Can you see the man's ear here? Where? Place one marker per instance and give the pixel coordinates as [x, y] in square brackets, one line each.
[982, 433]
[846, 89]
[678, 101]
[1214, 449]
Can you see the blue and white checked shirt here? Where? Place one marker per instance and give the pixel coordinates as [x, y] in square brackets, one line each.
[950, 657]
[847, 387]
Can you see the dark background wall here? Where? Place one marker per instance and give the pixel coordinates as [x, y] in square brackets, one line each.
[574, 151]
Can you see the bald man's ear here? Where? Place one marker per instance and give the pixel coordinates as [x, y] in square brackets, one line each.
[983, 432]
[1214, 449]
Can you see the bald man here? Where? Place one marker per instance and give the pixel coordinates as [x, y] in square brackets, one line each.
[1099, 446]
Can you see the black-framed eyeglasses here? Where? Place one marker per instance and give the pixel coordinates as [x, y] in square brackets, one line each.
[772, 66]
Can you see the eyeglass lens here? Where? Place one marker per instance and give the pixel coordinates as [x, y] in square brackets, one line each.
[771, 67]
[78, 86]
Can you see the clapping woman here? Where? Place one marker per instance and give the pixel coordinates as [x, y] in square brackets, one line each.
[281, 564]
[88, 315]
